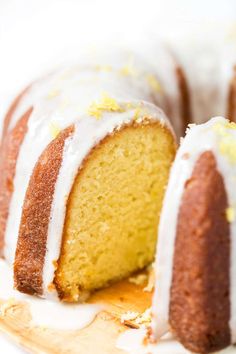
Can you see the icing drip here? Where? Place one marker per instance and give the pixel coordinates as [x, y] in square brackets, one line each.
[218, 136]
[46, 313]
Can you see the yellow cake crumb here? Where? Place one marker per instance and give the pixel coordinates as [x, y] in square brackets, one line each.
[144, 319]
[106, 104]
[139, 279]
[147, 278]
[230, 214]
[54, 129]
[136, 320]
[154, 83]
[129, 316]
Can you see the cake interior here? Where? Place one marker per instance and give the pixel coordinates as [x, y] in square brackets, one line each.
[113, 209]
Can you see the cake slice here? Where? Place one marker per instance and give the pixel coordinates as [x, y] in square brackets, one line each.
[85, 160]
[195, 268]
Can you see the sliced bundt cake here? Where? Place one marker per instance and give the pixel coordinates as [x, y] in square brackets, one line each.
[85, 161]
[195, 280]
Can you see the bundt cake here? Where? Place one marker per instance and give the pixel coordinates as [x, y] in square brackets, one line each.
[82, 178]
[84, 163]
[195, 294]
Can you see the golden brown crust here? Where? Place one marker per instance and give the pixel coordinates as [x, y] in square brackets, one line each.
[232, 98]
[31, 245]
[185, 103]
[8, 158]
[200, 305]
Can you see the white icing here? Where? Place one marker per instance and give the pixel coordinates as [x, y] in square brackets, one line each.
[198, 139]
[46, 313]
[62, 99]
[77, 86]
[131, 341]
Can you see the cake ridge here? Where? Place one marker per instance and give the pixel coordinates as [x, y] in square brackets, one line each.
[211, 135]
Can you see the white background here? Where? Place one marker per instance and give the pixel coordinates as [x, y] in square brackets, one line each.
[35, 35]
